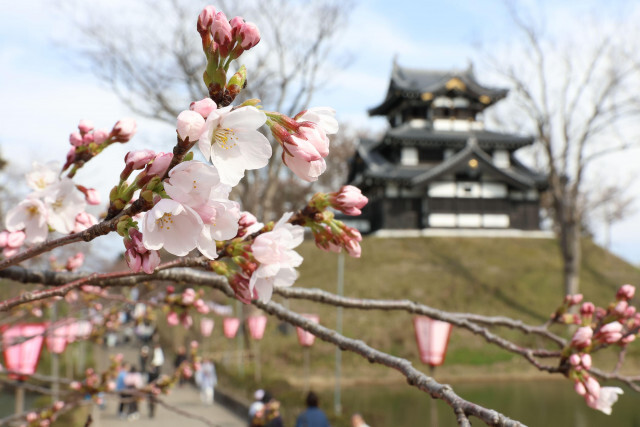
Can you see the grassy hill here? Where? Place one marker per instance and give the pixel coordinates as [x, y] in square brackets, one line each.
[520, 278]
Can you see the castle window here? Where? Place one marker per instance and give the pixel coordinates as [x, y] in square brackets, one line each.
[501, 158]
[409, 156]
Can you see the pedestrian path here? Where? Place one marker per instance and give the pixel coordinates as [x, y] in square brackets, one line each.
[185, 399]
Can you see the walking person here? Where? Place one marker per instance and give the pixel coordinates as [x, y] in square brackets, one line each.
[121, 387]
[208, 381]
[312, 416]
[133, 382]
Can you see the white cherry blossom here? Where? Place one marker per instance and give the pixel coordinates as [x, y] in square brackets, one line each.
[31, 216]
[42, 176]
[172, 226]
[231, 141]
[191, 183]
[64, 202]
[325, 117]
[274, 251]
[606, 398]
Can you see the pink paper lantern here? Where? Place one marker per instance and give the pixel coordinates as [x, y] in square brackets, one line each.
[257, 325]
[57, 339]
[206, 326]
[305, 338]
[22, 356]
[230, 326]
[433, 338]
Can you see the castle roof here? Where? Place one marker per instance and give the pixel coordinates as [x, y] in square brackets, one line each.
[408, 83]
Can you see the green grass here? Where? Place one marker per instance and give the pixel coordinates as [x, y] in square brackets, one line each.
[519, 278]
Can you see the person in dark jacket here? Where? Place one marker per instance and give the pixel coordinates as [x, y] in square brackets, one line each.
[312, 416]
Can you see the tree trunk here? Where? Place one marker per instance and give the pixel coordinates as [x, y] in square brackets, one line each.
[571, 256]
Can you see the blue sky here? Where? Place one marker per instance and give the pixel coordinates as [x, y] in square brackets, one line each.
[44, 92]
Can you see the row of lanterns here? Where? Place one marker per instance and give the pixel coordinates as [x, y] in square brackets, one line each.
[22, 343]
[432, 336]
[257, 326]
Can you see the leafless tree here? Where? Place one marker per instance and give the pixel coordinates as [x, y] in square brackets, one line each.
[608, 203]
[157, 69]
[578, 94]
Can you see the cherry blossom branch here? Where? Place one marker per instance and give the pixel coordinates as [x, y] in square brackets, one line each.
[100, 229]
[631, 381]
[200, 278]
[131, 279]
[461, 407]
[458, 319]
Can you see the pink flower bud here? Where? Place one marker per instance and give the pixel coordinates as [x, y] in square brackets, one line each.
[4, 235]
[353, 248]
[84, 220]
[150, 261]
[87, 139]
[193, 344]
[205, 19]
[250, 35]
[626, 292]
[92, 196]
[75, 385]
[9, 252]
[580, 388]
[71, 157]
[75, 262]
[100, 136]
[190, 124]
[586, 361]
[58, 405]
[236, 24]
[582, 337]
[587, 309]
[349, 200]
[31, 417]
[221, 29]
[160, 164]
[15, 239]
[574, 359]
[133, 259]
[172, 318]
[628, 339]
[575, 299]
[621, 307]
[85, 126]
[630, 311]
[124, 130]
[138, 159]
[610, 333]
[592, 386]
[204, 107]
[75, 139]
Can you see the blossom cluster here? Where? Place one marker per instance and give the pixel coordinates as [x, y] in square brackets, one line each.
[88, 142]
[618, 324]
[44, 417]
[56, 203]
[304, 140]
[178, 306]
[222, 42]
